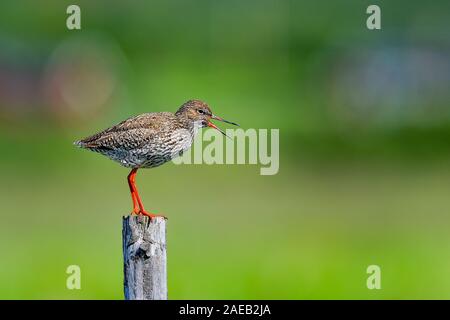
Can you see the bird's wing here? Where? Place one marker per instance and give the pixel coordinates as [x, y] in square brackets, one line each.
[142, 121]
[128, 134]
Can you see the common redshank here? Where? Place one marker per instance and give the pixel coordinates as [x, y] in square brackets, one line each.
[150, 140]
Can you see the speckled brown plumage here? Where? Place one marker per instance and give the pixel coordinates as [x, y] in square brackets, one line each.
[151, 139]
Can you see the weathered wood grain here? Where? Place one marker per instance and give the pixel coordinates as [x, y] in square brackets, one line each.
[145, 261]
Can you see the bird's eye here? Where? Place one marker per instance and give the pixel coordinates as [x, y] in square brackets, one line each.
[201, 111]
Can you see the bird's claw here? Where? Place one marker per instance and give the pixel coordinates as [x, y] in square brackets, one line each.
[148, 214]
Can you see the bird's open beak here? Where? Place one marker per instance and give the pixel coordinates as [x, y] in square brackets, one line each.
[212, 125]
[223, 120]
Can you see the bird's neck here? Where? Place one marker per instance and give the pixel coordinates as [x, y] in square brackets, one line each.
[197, 125]
[189, 124]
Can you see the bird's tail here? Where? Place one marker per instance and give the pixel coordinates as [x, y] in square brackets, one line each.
[79, 143]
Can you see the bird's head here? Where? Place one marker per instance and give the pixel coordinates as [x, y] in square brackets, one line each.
[200, 114]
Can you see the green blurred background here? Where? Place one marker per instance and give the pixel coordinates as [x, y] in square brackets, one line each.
[364, 123]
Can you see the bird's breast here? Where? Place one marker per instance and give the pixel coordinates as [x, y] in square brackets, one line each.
[181, 140]
[166, 147]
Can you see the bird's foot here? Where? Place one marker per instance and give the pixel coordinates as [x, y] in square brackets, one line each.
[148, 214]
[152, 215]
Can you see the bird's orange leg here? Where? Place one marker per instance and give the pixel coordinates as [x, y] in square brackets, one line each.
[136, 198]
[131, 180]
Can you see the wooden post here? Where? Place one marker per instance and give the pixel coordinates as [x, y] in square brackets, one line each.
[144, 258]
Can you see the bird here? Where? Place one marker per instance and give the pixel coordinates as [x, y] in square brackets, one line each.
[151, 139]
